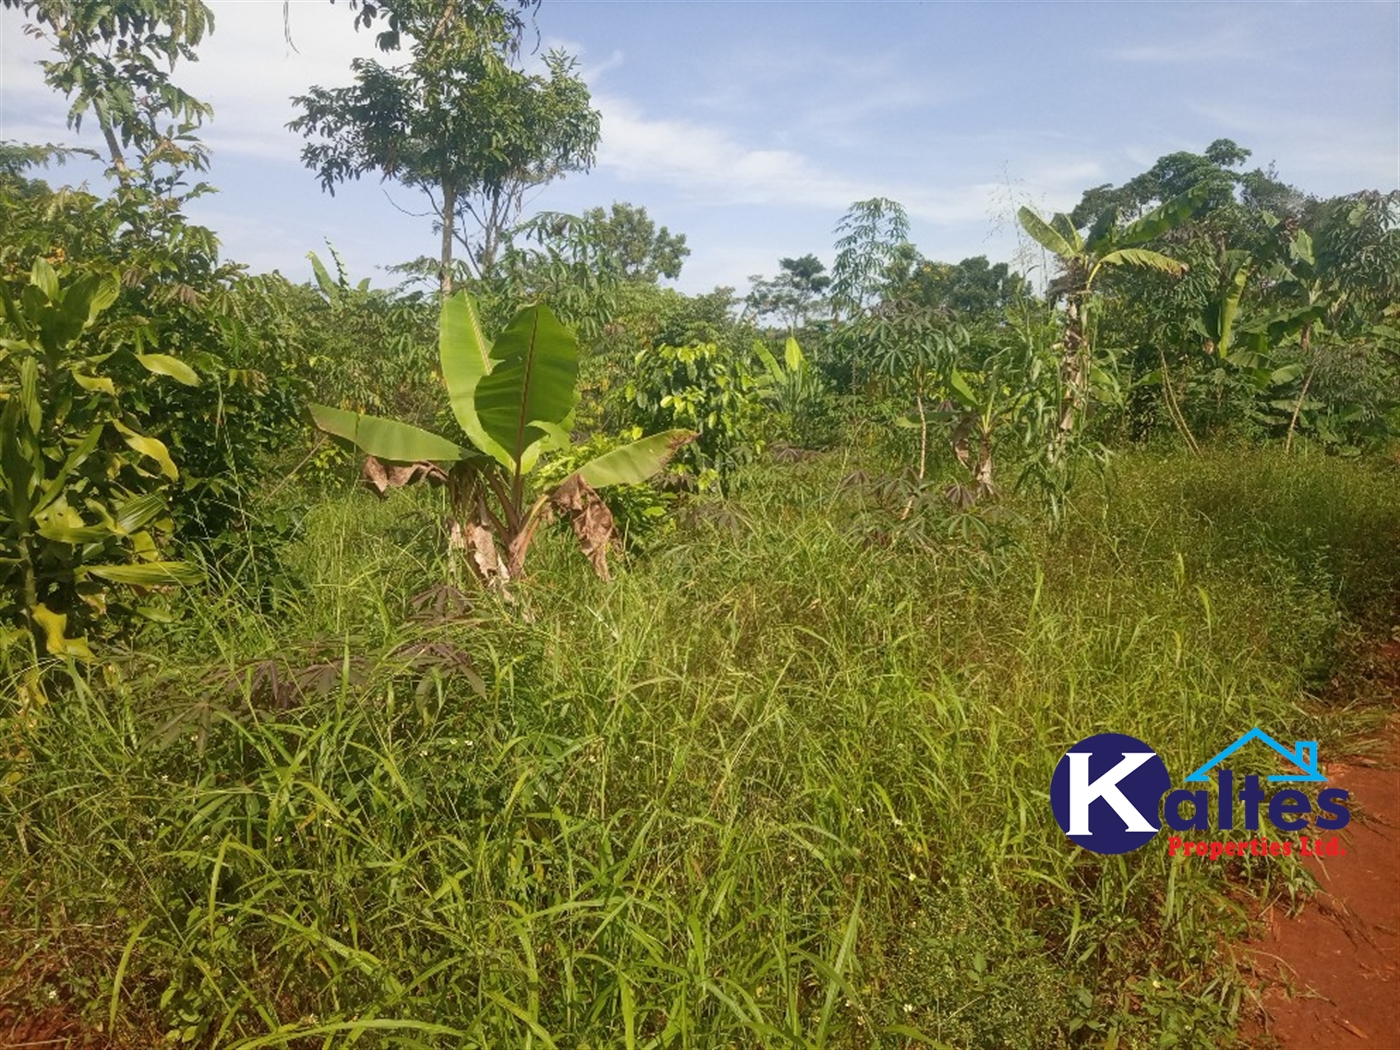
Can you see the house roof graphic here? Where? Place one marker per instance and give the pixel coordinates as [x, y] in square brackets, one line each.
[1303, 755]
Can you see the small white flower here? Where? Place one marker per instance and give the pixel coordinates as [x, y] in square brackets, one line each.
[908, 1008]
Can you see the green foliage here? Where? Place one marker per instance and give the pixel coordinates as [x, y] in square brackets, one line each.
[364, 349]
[795, 390]
[971, 290]
[458, 122]
[641, 512]
[84, 503]
[114, 59]
[704, 388]
[793, 295]
[514, 400]
[870, 235]
[632, 244]
[779, 768]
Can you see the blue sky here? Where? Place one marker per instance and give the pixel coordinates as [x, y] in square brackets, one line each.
[751, 126]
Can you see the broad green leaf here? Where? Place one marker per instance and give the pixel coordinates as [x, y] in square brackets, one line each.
[534, 371]
[45, 278]
[105, 295]
[75, 459]
[1229, 307]
[556, 437]
[466, 359]
[792, 354]
[165, 365]
[387, 439]
[54, 626]
[632, 464]
[1287, 373]
[963, 392]
[16, 464]
[29, 400]
[1101, 234]
[139, 512]
[149, 446]
[62, 524]
[323, 277]
[775, 373]
[1301, 248]
[1144, 258]
[1065, 228]
[95, 384]
[1165, 217]
[1044, 234]
[146, 574]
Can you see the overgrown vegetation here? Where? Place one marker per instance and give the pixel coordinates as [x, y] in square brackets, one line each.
[886, 540]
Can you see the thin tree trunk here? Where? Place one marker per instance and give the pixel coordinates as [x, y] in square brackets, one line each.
[1302, 394]
[1174, 409]
[114, 147]
[1072, 374]
[449, 209]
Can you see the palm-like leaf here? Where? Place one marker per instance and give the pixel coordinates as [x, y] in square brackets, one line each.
[465, 354]
[632, 464]
[1165, 217]
[1065, 228]
[387, 439]
[534, 370]
[1044, 234]
[1144, 258]
[147, 574]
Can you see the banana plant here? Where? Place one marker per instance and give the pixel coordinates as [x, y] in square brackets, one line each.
[82, 502]
[1082, 259]
[791, 386]
[514, 400]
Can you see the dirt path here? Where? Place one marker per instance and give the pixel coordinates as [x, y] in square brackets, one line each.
[1331, 974]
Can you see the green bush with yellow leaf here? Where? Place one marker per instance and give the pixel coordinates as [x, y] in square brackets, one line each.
[82, 488]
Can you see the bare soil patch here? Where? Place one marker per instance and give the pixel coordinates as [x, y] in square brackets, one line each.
[1330, 975]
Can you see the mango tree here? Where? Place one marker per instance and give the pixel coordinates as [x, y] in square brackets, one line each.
[514, 400]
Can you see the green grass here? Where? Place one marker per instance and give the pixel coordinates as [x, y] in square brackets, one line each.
[780, 783]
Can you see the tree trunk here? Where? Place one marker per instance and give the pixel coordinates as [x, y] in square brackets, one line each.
[114, 147]
[1302, 394]
[449, 210]
[1073, 372]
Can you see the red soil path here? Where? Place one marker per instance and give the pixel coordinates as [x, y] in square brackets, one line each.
[1331, 974]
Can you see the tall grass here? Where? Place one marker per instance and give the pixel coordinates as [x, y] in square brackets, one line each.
[775, 785]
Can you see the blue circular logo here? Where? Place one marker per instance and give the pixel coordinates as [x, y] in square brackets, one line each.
[1106, 792]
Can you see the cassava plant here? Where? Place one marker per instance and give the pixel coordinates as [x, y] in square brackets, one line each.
[514, 399]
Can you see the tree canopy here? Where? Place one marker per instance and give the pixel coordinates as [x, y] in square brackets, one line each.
[459, 121]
